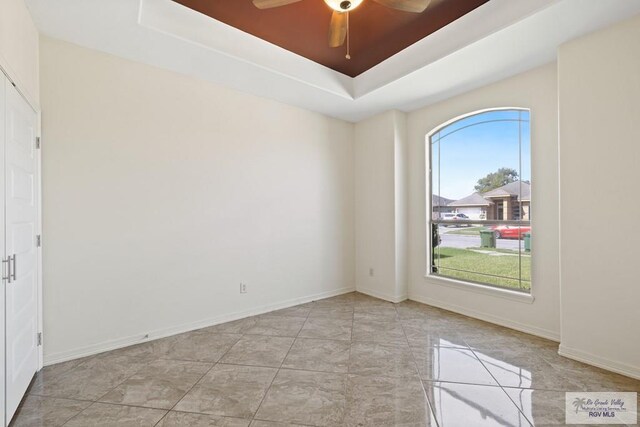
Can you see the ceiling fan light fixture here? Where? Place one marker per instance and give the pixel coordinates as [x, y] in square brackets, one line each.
[343, 5]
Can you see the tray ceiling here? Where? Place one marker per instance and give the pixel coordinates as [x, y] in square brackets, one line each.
[377, 32]
[499, 39]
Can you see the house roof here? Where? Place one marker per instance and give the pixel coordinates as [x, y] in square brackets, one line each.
[511, 189]
[440, 201]
[473, 200]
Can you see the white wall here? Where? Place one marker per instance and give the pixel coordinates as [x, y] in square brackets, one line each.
[599, 78]
[401, 205]
[536, 90]
[162, 193]
[380, 158]
[19, 48]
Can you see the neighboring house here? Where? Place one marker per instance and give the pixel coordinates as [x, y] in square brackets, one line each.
[509, 199]
[440, 205]
[505, 203]
[474, 206]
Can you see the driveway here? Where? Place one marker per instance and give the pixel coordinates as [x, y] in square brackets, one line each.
[462, 241]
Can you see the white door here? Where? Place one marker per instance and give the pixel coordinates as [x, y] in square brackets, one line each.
[21, 215]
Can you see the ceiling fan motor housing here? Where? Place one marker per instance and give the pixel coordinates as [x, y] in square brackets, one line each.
[343, 5]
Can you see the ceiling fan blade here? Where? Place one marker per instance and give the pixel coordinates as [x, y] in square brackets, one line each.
[268, 4]
[337, 29]
[415, 6]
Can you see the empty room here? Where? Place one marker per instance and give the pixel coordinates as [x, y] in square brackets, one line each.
[275, 213]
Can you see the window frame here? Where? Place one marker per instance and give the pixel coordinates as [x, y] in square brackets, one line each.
[522, 295]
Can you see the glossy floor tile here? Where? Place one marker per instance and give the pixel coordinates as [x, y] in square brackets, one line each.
[197, 346]
[91, 379]
[277, 326]
[385, 401]
[44, 411]
[160, 384]
[229, 390]
[327, 328]
[182, 419]
[382, 359]
[105, 415]
[451, 365]
[350, 360]
[313, 398]
[380, 330]
[472, 405]
[257, 350]
[541, 407]
[319, 355]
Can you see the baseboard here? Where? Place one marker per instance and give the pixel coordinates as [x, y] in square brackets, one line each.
[600, 362]
[382, 295]
[92, 349]
[491, 318]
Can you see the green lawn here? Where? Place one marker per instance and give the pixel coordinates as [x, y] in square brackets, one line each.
[477, 263]
[468, 231]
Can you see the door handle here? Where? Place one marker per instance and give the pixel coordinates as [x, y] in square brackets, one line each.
[8, 262]
[13, 272]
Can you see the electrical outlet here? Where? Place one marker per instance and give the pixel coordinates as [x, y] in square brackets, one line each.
[243, 288]
[370, 271]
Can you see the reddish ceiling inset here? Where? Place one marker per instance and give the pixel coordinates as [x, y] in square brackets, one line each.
[377, 32]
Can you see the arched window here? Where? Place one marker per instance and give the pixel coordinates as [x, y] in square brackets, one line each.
[480, 199]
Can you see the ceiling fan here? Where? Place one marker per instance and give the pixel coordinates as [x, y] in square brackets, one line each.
[339, 26]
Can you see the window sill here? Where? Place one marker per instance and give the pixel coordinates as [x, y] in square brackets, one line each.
[481, 289]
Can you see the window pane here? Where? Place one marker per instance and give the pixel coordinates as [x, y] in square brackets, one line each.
[438, 203]
[463, 254]
[498, 115]
[481, 195]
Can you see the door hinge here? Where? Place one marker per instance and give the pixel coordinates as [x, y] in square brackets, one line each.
[39, 339]
[38, 240]
[37, 142]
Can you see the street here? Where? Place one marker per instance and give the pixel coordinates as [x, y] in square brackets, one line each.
[462, 241]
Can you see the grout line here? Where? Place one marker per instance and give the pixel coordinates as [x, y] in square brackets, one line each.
[242, 334]
[347, 376]
[200, 379]
[49, 396]
[187, 392]
[67, 422]
[119, 406]
[501, 387]
[415, 363]
[279, 368]
[144, 365]
[309, 316]
[129, 405]
[285, 368]
[199, 413]
[110, 390]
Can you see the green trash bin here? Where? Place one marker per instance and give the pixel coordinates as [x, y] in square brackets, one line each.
[487, 239]
[527, 242]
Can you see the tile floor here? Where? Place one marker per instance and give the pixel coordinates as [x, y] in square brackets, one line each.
[349, 360]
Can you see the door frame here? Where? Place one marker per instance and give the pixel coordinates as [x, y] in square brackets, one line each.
[39, 233]
[33, 103]
[36, 108]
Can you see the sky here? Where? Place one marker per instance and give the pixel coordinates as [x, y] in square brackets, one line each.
[471, 148]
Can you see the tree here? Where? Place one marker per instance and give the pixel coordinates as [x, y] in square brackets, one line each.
[502, 176]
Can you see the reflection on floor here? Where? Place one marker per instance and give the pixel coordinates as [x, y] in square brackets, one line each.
[348, 360]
